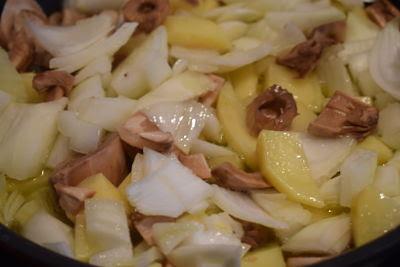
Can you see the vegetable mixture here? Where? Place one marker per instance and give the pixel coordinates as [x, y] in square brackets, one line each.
[200, 132]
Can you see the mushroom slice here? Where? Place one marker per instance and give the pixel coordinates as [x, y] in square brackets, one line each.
[21, 51]
[381, 12]
[148, 13]
[71, 198]
[274, 109]
[197, 163]
[140, 132]
[209, 98]
[54, 84]
[231, 177]
[144, 225]
[303, 57]
[345, 115]
[109, 159]
[11, 21]
[255, 235]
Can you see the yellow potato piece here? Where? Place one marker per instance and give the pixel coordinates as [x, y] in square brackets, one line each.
[82, 249]
[374, 144]
[201, 7]
[244, 82]
[193, 32]
[284, 165]
[303, 119]
[104, 189]
[267, 256]
[232, 115]
[306, 90]
[233, 159]
[373, 214]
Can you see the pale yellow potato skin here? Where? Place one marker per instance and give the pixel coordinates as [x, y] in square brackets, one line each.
[283, 164]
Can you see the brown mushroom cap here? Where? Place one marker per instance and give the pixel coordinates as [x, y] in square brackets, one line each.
[304, 57]
[231, 177]
[72, 198]
[148, 13]
[54, 84]
[345, 115]
[109, 159]
[197, 163]
[138, 131]
[382, 11]
[274, 109]
[144, 225]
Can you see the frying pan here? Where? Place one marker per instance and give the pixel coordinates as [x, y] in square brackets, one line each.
[22, 252]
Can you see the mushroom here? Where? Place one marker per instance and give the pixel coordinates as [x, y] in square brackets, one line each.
[274, 109]
[53, 84]
[21, 47]
[255, 235]
[381, 12]
[71, 198]
[109, 159]
[210, 97]
[138, 131]
[197, 163]
[148, 13]
[304, 261]
[144, 225]
[304, 57]
[345, 115]
[231, 177]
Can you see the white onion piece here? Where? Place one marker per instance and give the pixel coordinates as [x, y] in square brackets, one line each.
[384, 62]
[210, 150]
[357, 172]
[106, 46]
[237, 11]
[27, 133]
[118, 256]
[325, 155]
[42, 228]
[330, 191]
[146, 258]
[241, 206]
[5, 99]
[184, 120]
[84, 137]
[281, 208]
[106, 112]
[233, 29]
[222, 63]
[206, 255]
[185, 86]
[153, 161]
[327, 236]
[168, 236]
[169, 191]
[387, 181]
[91, 87]
[60, 152]
[389, 125]
[100, 66]
[60, 247]
[65, 40]
[106, 224]
[224, 223]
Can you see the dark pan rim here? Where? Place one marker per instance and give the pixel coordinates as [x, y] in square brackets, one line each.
[368, 255]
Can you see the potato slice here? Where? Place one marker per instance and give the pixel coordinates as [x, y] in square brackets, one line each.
[270, 255]
[284, 165]
[232, 115]
[306, 90]
[193, 32]
[373, 214]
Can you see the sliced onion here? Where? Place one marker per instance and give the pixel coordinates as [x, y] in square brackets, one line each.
[237, 11]
[91, 87]
[65, 40]
[101, 66]
[325, 155]
[61, 248]
[210, 150]
[389, 125]
[105, 46]
[60, 152]
[169, 191]
[384, 62]
[330, 191]
[387, 181]
[222, 63]
[106, 112]
[84, 137]
[119, 256]
[5, 99]
[242, 207]
[327, 236]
